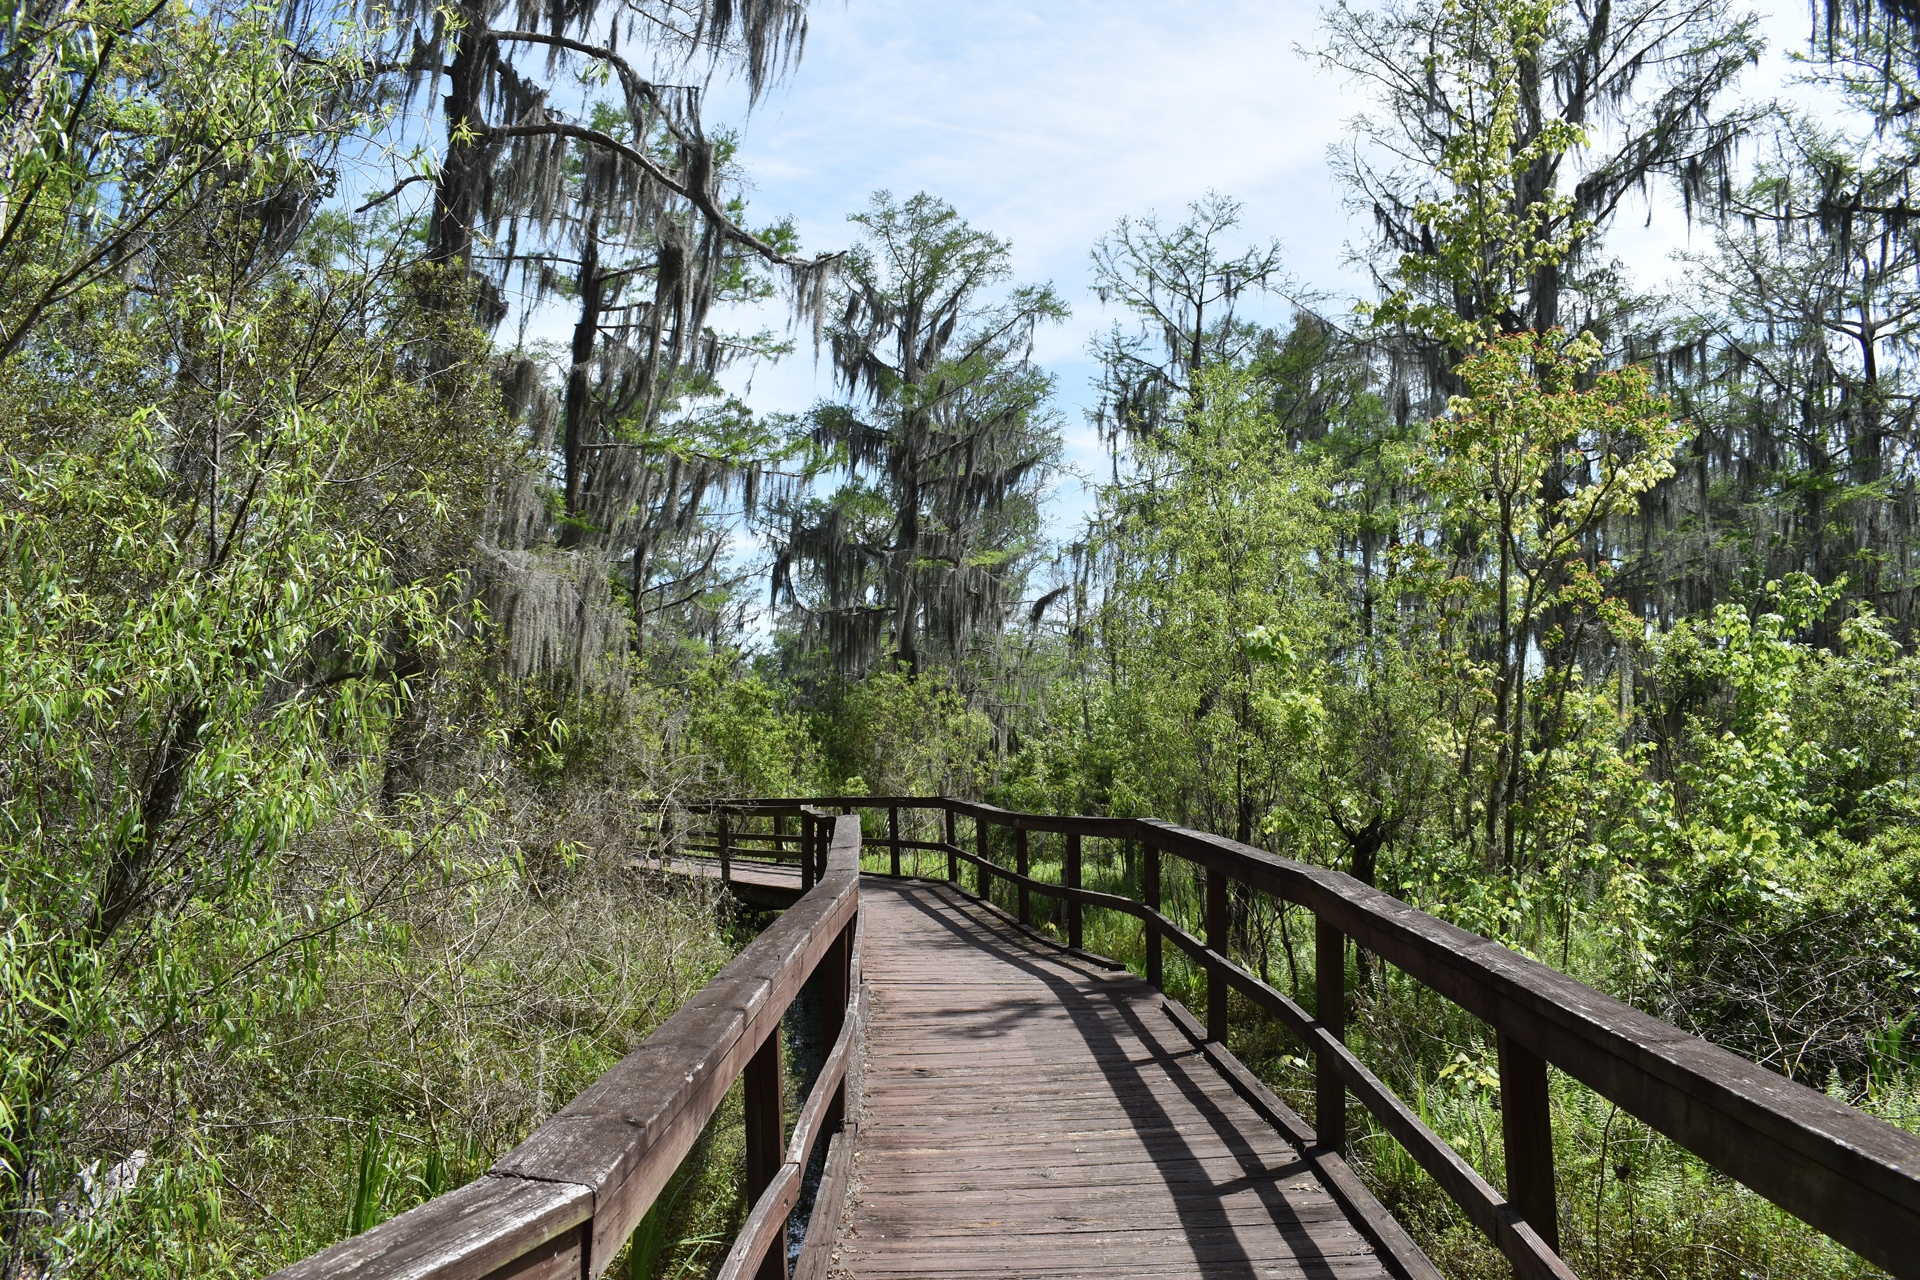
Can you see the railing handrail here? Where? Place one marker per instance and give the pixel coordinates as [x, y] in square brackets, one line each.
[580, 1184]
[1848, 1174]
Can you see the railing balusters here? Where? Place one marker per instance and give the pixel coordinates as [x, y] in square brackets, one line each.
[893, 838]
[807, 826]
[1150, 894]
[1070, 873]
[1217, 929]
[1842, 1172]
[1330, 1001]
[1526, 1128]
[763, 1095]
[835, 967]
[1025, 913]
[983, 882]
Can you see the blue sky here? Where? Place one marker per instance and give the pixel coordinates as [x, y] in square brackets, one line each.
[1045, 123]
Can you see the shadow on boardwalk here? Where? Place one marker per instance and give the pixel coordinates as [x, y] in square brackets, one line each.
[1026, 1114]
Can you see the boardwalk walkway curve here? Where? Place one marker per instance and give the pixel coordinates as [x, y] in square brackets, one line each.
[998, 1104]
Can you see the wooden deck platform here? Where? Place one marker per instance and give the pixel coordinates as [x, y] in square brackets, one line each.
[1025, 1113]
[772, 885]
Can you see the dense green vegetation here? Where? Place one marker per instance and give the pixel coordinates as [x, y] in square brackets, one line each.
[352, 642]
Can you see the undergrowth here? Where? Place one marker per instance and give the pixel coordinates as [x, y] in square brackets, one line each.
[446, 1027]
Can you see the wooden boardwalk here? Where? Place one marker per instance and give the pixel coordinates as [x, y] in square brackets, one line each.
[1028, 1114]
[771, 875]
[772, 885]
[1016, 1110]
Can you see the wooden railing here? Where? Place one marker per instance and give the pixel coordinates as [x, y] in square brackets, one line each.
[1848, 1174]
[728, 842]
[564, 1202]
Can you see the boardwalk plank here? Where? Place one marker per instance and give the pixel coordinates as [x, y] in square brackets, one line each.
[1027, 1114]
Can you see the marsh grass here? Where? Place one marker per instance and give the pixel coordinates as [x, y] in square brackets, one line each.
[450, 1017]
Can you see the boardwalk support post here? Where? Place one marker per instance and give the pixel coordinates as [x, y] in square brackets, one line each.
[1526, 1127]
[953, 842]
[1330, 1000]
[726, 867]
[893, 838]
[1020, 865]
[1150, 894]
[1071, 874]
[766, 1137]
[1217, 941]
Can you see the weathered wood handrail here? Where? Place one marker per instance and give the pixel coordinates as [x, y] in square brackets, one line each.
[1847, 1174]
[565, 1201]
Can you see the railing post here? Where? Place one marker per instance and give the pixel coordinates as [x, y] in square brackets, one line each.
[1526, 1126]
[1150, 894]
[953, 859]
[1020, 864]
[766, 1137]
[1217, 941]
[893, 835]
[726, 860]
[983, 848]
[1070, 873]
[836, 967]
[807, 829]
[1330, 1000]
[779, 837]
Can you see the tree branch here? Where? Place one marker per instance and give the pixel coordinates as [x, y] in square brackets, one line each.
[700, 198]
[402, 185]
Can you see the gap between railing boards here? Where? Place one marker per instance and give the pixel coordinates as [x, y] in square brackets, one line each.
[1848, 1174]
[567, 1200]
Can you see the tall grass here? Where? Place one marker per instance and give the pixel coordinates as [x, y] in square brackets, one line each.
[448, 1020]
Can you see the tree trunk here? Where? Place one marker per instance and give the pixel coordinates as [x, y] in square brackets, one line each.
[460, 190]
[161, 791]
[579, 397]
[906, 628]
